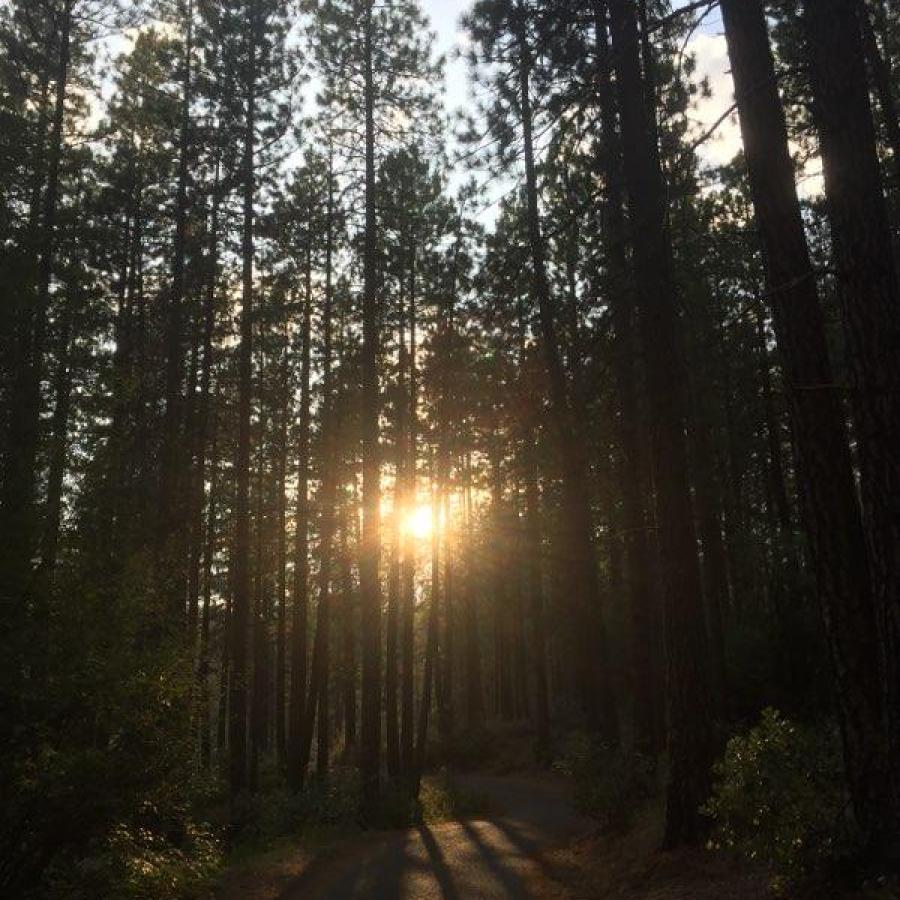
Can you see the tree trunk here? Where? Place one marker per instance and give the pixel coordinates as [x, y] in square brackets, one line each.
[59, 437]
[634, 487]
[598, 699]
[408, 551]
[17, 513]
[174, 462]
[869, 294]
[882, 80]
[391, 673]
[472, 649]
[237, 731]
[348, 637]
[690, 738]
[535, 575]
[827, 488]
[299, 732]
[370, 588]
[281, 558]
[428, 676]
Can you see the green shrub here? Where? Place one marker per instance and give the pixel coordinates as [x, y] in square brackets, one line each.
[610, 785]
[779, 797]
[278, 812]
[140, 864]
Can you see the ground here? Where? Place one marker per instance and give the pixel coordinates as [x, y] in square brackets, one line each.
[529, 843]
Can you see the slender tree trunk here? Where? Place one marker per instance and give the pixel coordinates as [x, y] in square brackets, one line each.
[59, 437]
[209, 553]
[472, 643]
[634, 487]
[595, 680]
[391, 672]
[827, 488]
[535, 575]
[690, 739]
[370, 737]
[281, 560]
[348, 637]
[198, 491]
[302, 710]
[237, 731]
[260, 642]
[882, 80]
[17, 514]
[173, 558]
[428, 677]
[408, 550]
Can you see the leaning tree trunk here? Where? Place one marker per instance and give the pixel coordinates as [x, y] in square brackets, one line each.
[825, 472]
[883, 81]
[690, 739]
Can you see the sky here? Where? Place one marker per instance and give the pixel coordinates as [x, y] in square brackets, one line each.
[707, 45]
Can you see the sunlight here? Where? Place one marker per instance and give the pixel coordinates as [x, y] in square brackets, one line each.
[418, 523]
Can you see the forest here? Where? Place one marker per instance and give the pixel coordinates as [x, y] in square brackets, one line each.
[353, 436]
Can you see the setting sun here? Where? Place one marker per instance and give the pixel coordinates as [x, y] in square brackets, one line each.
[418, 523]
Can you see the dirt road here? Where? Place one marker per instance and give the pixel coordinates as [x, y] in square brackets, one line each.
[498, 855]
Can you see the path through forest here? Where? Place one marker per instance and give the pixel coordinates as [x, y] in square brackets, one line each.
[499, 854]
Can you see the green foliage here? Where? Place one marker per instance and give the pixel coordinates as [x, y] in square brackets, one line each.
[441, 798]
[141, 864]
[465, 749]
[610, 785]
[98, 782]
[276, 812]
[779, 798]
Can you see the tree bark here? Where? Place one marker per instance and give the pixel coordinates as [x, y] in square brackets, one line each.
[869, 294]
[302, 710]
[690, 739]
[370, 587]
[882, 80]
[174, 483]
[472, 642]
[598, 699]
[827, 489]
[237, 731]
[634, 487]
[17, 513]
[408, 550]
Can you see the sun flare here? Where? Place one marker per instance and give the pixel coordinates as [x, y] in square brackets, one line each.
[418, 523]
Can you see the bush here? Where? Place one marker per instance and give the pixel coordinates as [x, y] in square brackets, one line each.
[277, 812]
[140, 864]
[779, 797]
[610, 784]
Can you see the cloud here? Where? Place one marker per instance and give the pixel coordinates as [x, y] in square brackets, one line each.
[711, 54]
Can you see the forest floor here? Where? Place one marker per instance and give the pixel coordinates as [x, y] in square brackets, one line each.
[527, 842]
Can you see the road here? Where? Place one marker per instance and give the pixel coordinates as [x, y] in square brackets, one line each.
[495, 857]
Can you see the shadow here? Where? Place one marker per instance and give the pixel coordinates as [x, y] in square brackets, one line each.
[510, 881]
[375, 873]
[533, 848]
[438, 863]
